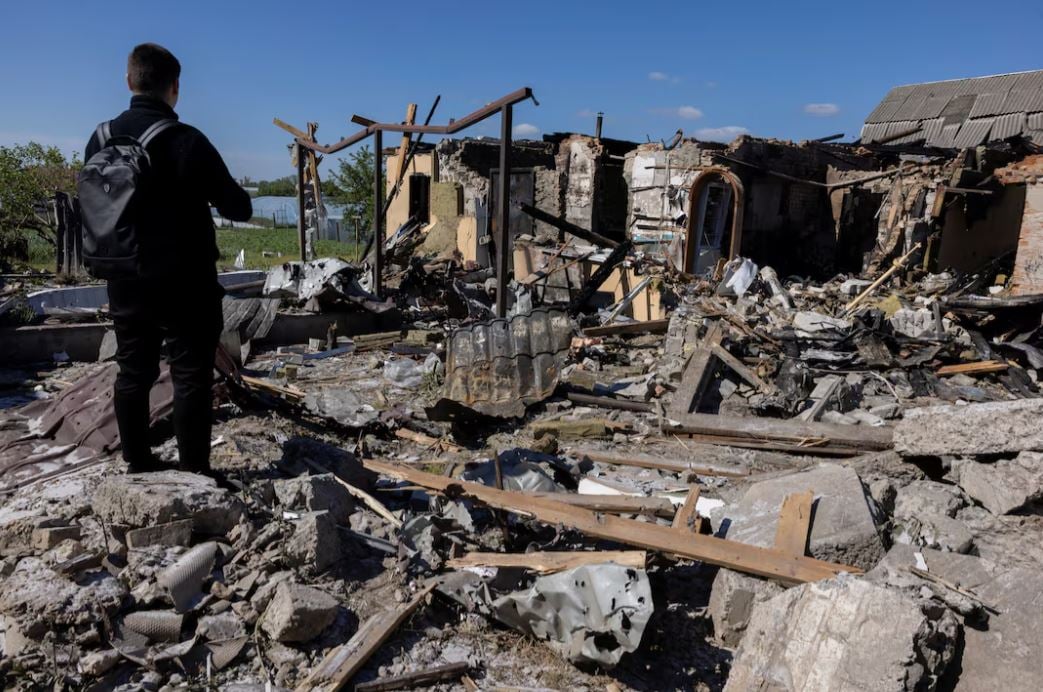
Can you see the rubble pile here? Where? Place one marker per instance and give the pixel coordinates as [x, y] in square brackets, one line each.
[768, 475]
[752, 416]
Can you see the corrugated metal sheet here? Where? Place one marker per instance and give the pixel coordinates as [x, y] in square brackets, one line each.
[1035, 121]
[947, 138]
[988, 104]
[973, 103]
[973, 132]
[499, 367]
[1008, 126]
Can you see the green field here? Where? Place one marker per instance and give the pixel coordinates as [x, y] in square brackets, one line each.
[258, 241]
[281, 243]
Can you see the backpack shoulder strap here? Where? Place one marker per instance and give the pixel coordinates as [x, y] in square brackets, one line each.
[153, 130]
[103, 133]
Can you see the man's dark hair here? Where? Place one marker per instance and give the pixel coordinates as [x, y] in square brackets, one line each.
[152, 69]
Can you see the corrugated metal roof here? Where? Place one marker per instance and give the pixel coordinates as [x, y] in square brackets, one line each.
[970, 104]
[1035, 121]
[973, 132]
[1008, 126]
[988, 104]
[947, 138]
[500, 366]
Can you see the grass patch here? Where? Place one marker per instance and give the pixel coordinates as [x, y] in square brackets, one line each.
[268, 247]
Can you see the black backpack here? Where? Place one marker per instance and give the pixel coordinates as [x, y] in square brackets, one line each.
[110, 189]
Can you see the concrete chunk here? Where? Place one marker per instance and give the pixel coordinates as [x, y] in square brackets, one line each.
[315, 542]
[146, 499]
[842, 526]
[989, 428]
[842, 635]
[925, 515]
[315, 493]
[169, 534]
[1006, 485]
[298, 613]
[1003, 653]
[732, 598]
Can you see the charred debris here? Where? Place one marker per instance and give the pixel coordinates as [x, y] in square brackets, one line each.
[629, 416]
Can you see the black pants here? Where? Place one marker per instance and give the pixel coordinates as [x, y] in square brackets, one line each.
[145, 315]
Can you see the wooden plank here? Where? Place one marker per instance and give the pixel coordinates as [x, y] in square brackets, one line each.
[973, 368]
[550, 562]
[791, 534]
[647, 461]
[290, 128]
[426, 440]
[764, 562]
[794, 432]
[342, 663]
[741, 370]
[685, 517]
[615, 504]
[697, 373]
[415, 679]
[358, 493]
[647, 327]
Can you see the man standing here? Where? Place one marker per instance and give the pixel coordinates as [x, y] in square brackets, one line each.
[175, 297]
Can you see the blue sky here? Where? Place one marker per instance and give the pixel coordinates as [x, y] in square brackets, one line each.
[712, 69]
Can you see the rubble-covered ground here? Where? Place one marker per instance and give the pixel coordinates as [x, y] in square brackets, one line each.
[913, 420]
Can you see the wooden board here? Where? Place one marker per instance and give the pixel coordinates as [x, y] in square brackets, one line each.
[973, 368]
[685, 517]
[550, 562]
[647, 461]
[791, 534]
[646, 327]
[741, 370]
[793, 432]
[697, 374]
[342, 663]
[764, 562]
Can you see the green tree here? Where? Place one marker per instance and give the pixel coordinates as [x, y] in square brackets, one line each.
[30, 174]
[280, 187]
[354, 178]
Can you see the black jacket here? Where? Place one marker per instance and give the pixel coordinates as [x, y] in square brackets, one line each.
[176, 238]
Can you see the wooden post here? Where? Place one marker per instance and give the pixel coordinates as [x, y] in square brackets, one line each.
[378, 220]
[299, 151]
[503, 239]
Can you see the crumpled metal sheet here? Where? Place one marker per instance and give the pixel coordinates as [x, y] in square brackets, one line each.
[499, 367]
[327, 280]
[252, 318]
[74, 428]
[590, 614]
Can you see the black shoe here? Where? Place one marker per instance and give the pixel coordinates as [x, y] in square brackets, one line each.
[150, 464]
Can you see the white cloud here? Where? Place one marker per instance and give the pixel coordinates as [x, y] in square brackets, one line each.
[711, 85]
[720, 134]
[821, 110]
[66, 143]
[525, 130]
[586, 113]
[689, 112]
[685, 112]
[658, 76]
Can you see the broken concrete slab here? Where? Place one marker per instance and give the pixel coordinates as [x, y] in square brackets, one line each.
[169, 534]
[298, 613]
[843, 634]
[42, 600]
[1002, 653]
[1004, 486]
[315, 493]
[147, 499]
[732, 598]
[989, 428]
[315, 542]
[924, 515]
[842, 526]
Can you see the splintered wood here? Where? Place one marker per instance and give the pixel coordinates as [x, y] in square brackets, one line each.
[342, 663]
[765, 562]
